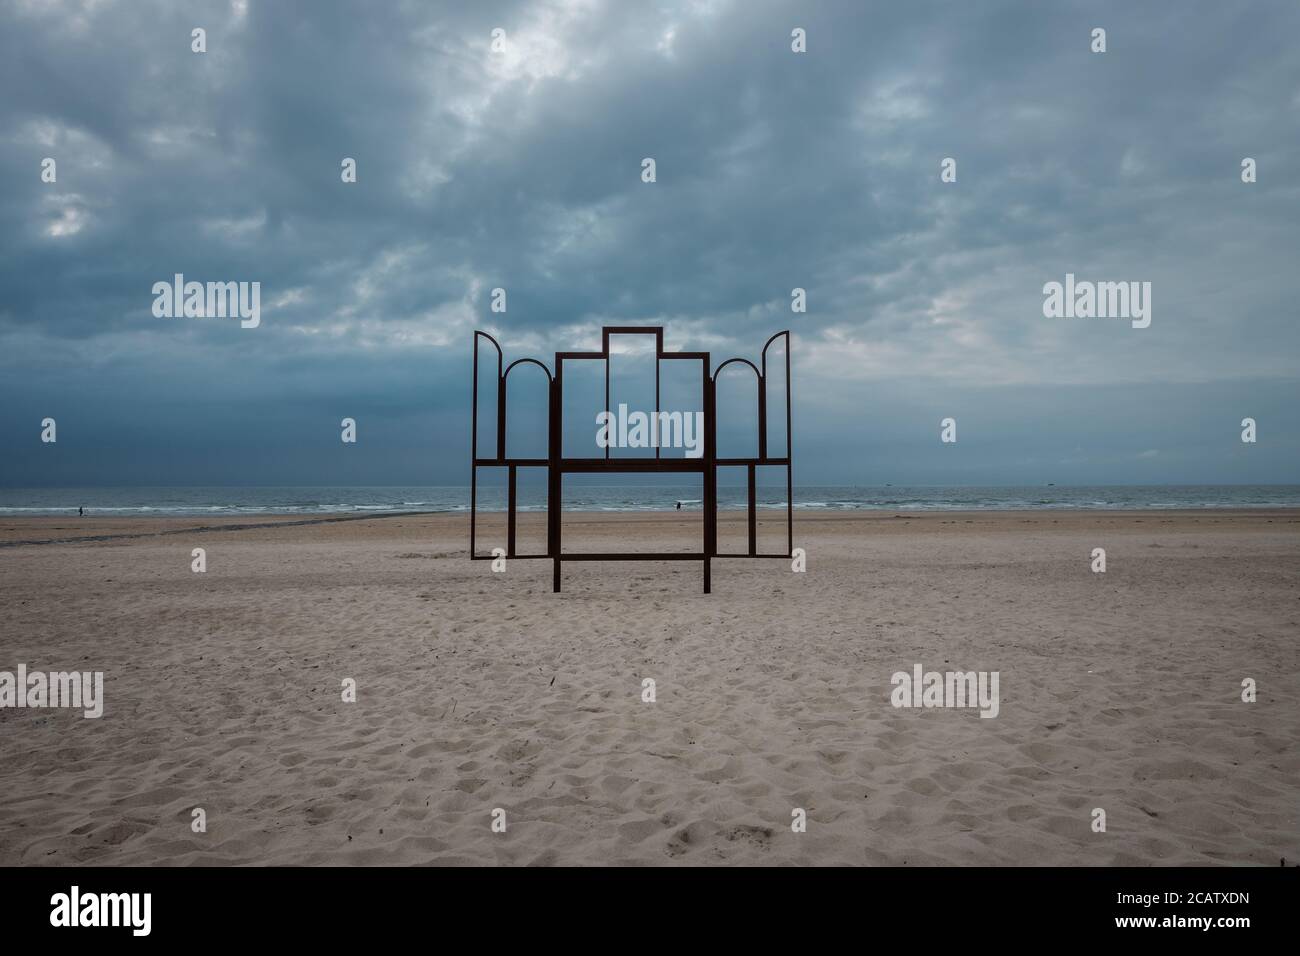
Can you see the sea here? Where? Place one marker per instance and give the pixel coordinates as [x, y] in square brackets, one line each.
[295, 500]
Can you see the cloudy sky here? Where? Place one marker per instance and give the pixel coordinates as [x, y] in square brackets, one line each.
[521, 169]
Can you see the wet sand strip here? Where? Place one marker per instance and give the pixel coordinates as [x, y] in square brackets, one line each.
[199, 529]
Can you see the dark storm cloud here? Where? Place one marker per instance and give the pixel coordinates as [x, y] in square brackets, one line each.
[521, 170]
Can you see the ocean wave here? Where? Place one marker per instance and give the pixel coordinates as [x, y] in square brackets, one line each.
[216, 501]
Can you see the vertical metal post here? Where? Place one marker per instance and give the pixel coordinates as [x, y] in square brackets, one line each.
[511, 502]
[710, 476]
[789, 457]
[473, 452]
[753, 514]
[501, 416]
[553, 476]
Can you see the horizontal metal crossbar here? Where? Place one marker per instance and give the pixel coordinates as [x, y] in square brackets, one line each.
[636, 556]
[626, 465]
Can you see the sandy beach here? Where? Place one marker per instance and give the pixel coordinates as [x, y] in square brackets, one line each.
[478, 690]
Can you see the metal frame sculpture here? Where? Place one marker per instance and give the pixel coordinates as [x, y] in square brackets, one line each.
[557, 465]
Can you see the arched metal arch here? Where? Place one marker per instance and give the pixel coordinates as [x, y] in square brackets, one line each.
[760, 381]
[529, 361]
[786, 460]
[744, 361]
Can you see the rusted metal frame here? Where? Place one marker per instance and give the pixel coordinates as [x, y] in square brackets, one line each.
[557, 464]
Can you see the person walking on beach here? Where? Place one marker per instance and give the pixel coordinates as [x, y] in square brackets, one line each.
[81, 513]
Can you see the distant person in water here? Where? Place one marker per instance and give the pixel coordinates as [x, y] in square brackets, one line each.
[679, 506]
[81, 513]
